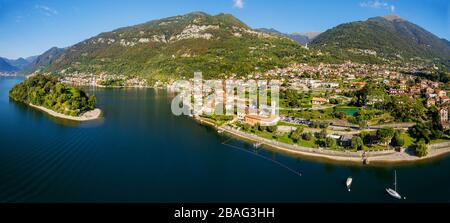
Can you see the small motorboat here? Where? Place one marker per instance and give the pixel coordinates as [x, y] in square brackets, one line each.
[349, 183]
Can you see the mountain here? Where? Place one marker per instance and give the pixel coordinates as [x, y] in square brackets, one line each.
[270, 31]
[11, 65]
[20, 63]
[31, 59]
[302, 38]
[176, 47]
[310, 35]
[42, 61]
[381, 39]
[6, 67]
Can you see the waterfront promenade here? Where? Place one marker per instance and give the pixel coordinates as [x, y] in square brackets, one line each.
[349, 157]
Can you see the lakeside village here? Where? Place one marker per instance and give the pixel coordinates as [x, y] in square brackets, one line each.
[348, 107]
[8, 74]
[339, 107]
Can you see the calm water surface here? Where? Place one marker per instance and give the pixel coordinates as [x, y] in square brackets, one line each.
[140, 152]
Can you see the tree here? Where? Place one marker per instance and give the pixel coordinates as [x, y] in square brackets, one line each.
[340, 115]
[307, 136]
[330, 143]
[422, 131]
[272, 128]
[334, 101]
[46, 91]
[297, 134]
[246, 127]
[262, 128]
[420, 148]
[277, 135]
[398, 140]
[386, 134]
[363, 124]
[357, 143]
[324, 125]
[314, 124]
[256, 126]
[370, 94]
[406, 109]
[323, 134]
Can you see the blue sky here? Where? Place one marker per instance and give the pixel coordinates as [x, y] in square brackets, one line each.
[30, 27]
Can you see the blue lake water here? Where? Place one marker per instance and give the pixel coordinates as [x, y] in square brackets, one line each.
[140, 152]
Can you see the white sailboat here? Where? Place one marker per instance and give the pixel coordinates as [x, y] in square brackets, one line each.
[349, 183]
[393, 192]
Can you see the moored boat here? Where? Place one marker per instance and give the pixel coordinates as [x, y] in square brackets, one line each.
[349, 183]
[393, 192]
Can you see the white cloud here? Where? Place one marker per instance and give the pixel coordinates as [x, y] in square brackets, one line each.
[377, 4]
[46, 10]
[238, 4]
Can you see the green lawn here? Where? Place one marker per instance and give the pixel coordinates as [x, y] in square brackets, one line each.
[408, 140]
[436, 141]
[375, 148]
[285, 139]
[309, 144]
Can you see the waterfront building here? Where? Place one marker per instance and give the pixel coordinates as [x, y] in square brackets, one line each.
[261, 120]
[443, 115]
[319, 101]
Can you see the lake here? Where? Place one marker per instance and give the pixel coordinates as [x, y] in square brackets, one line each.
[140, 152]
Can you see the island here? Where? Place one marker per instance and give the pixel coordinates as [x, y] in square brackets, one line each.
[46, 93]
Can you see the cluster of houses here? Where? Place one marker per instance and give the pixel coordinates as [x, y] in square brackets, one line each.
[339, 78]
[8, 74]
[443, 106]
[435, 96]
[247, 109]
[84, 79]
[316, 101]
[338, 70]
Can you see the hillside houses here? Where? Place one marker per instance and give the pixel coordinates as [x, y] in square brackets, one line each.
[318, 101]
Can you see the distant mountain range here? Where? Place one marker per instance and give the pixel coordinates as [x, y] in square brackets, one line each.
[302, 38]
[221, 45]
[13, 66]
[5, 66]
[43, 61]
[389, 37]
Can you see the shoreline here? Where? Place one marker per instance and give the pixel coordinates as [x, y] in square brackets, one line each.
[374, 158]
[87, 116]
[341, 157]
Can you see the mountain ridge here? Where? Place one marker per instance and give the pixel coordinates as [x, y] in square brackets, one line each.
[42, 61]
[389, 37]
[300, 37]
[178, 46]
[221, 45]
[14, 65]
[6, 67]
